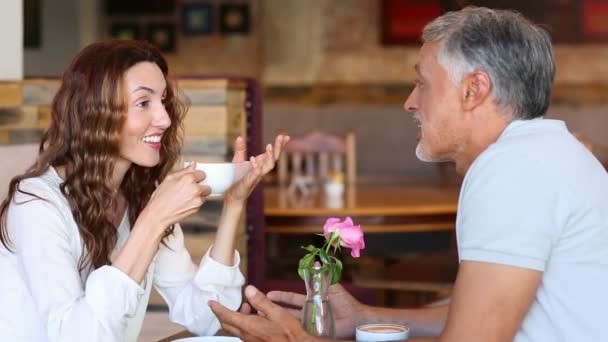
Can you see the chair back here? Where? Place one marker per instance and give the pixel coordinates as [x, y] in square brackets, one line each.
[14, 160]
[319, 155]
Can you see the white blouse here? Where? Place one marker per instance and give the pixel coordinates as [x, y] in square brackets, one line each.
[44, 297]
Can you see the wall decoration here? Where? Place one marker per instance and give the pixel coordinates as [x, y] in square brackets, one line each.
[31, 24]
[403, 20]
[125, 31]
[197, 18]
[138, 7]
[162, 35]
[234, 18]
[595, 20]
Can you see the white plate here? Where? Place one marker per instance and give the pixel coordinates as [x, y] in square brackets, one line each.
[209, 339]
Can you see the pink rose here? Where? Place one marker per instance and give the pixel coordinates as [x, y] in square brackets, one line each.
[351, 236]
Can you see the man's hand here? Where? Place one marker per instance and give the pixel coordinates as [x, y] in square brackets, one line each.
[346, 309]
[272, 324]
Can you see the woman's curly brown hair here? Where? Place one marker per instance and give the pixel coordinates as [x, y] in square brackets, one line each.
[88, 113]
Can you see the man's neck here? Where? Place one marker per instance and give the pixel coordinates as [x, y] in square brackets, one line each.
[483, 134]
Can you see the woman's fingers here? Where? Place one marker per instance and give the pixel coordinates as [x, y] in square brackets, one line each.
[279, 143]
[204, 190]
[240, 150]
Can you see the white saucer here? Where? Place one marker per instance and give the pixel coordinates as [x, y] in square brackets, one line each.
[209, 339]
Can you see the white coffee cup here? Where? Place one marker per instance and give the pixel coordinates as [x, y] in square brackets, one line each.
[382, 332]
[219, 176]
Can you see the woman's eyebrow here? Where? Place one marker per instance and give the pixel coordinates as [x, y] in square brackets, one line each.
[148, 89]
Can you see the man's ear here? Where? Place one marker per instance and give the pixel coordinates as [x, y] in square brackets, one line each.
[476, 89]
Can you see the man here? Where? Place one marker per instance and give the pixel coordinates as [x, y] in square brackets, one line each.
[532, 226]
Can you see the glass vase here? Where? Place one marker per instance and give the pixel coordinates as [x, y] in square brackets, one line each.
[318, 319]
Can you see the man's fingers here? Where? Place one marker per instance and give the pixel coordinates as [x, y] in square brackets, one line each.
[245, 309]
[337, 289]
[289, 298]
[225, 315]
[258, 301]
[295, 313]
[232, 330]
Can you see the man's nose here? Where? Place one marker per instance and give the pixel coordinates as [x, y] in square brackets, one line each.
[410, 104]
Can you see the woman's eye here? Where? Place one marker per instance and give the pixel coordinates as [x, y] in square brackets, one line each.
[143, 104]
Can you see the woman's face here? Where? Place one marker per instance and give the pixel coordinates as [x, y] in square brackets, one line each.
[146, 118]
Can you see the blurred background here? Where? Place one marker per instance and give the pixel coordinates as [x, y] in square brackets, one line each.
[336, 66]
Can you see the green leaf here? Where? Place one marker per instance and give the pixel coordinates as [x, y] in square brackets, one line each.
[306, 262]
[336, 271]
[324, 256]
[310, 248]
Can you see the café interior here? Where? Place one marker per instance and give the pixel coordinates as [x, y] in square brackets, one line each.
[334, 76]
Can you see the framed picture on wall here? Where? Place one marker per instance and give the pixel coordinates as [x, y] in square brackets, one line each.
[197, 19]
[234, 18]
[162, 35]
[125, 31]
[595, 20]
[31, 24]
[138, 7]
[403, 20]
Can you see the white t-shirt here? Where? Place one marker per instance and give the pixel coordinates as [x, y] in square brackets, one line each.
[43, 296]
[538, 199]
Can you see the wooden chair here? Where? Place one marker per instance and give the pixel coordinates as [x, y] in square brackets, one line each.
[15, 160]
[317, 156]
[600, 151]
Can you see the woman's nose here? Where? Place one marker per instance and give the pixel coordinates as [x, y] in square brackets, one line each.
[162, 118]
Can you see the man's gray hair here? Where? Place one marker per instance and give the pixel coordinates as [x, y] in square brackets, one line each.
[517, 55]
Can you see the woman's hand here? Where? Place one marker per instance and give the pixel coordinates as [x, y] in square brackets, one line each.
[253, 170]
[234, 198]
[177, 197]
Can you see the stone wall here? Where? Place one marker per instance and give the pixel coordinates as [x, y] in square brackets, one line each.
[338, 41]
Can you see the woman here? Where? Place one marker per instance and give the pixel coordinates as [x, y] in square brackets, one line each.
[92, 225]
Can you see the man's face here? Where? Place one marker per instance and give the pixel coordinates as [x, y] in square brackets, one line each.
[435, 104]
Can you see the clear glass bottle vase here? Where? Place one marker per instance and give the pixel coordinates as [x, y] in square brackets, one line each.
[318, 319]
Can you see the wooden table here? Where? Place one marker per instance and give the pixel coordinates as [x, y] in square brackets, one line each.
[389, 208]
[402, 208]
[181, 334]
[186, 334]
